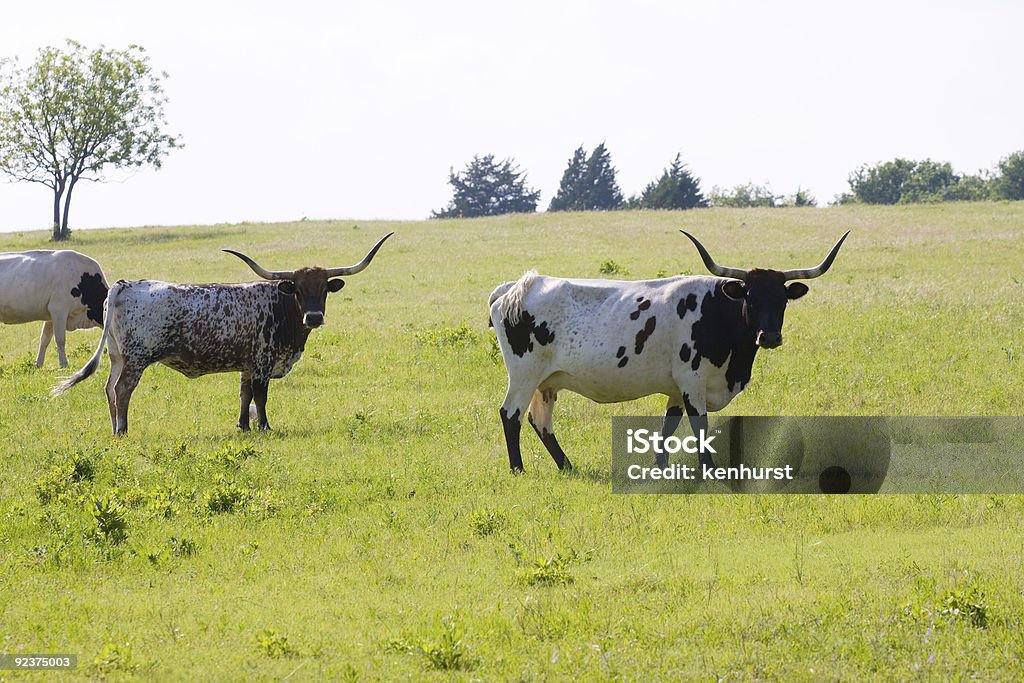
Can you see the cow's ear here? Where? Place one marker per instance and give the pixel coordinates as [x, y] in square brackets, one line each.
[286, 286]
[335, 285]
[796, 290]
[735, 289]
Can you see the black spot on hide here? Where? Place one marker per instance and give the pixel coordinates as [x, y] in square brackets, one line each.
[92, 293]
[522, 334]
[644, 305]
[643, 335]
[687, 304]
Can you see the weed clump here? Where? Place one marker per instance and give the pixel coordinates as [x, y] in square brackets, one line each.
[549, 571]
[274, 644]
[442, 336]
[449, 652]
[61, 480]
[610, 267]
[110, 518]
[486, 522]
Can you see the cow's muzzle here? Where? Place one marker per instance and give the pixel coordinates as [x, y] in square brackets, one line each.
[313, 319]
[769, 340]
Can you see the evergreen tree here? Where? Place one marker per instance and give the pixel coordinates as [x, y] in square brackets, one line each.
[677, 188]
[569, 190]
[488, 188]
[603, 193]
[588, 183]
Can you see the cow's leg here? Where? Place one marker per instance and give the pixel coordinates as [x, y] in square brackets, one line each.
[259, 395]
[673, 415]
[517, 400]
[116, 365]
[245, 398]
[540, 418]
[125, 384]
[697, 412]
[60, 326]
[44, 341]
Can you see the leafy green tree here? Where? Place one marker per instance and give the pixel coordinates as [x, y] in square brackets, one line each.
[902, 181]
[677, 188]
[488, 188]
[74, 113]
[588, 183]
[971, 188]
[1009, 184]
[928, 182]
[882, 183]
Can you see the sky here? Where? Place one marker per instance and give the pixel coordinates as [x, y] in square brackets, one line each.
[358, 110]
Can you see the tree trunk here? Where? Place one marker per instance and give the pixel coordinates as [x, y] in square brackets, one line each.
[65, 231]
[58, 235]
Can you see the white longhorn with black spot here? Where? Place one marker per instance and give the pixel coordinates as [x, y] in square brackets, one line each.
[256, 328]
[64, 289]
[691, 338]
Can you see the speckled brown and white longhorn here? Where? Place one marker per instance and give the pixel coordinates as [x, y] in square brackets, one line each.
[256, 328]
[691, 338]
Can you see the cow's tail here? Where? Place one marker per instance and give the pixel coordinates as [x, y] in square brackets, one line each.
[94, 362]
[511, 295]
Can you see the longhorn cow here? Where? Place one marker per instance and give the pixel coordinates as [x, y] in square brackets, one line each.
[64, 289]
[691, 338]
[257, 328]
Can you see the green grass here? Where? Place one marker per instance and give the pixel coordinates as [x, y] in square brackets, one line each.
[376, 533]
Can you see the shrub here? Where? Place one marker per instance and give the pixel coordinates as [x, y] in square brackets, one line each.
[610, 267]
[274, 644]
[443, 336]
[109, 515]
[448, 653]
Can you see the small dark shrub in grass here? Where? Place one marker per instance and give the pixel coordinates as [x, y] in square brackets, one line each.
[486, 522]
[610, 267]
[274, 644]
[447, 653]
[109, 514]
[227, 497]
[443, 336]
[62, 477]
[967, 604]
[549, 571]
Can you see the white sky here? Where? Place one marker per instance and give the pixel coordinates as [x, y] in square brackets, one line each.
[357, 110]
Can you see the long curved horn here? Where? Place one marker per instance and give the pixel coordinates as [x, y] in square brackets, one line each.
[808, 273]
[261, 271]
[352, 270]
[715, 269]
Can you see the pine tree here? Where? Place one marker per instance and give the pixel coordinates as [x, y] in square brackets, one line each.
[569, 190]
[588, 183]
[603, 193]
[677, 188]
[488, 188]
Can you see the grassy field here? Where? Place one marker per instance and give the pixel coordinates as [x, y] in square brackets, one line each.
[376, 533]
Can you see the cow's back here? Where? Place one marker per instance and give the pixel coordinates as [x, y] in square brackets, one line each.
[607, 340]
[33, 282]
[194, 329]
